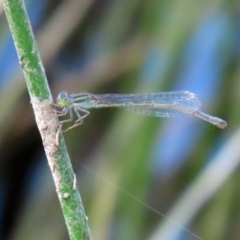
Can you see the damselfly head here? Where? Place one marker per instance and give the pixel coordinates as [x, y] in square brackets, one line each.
[63, 99]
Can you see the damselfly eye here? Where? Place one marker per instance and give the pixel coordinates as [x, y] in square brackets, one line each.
[63, 99]
[62, 96]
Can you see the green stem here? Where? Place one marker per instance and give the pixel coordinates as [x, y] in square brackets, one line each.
[46, 119]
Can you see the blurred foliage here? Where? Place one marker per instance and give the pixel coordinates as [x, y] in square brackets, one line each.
[125, 161]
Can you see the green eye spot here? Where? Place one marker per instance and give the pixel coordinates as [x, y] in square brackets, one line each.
[63, 99]
[63, 102]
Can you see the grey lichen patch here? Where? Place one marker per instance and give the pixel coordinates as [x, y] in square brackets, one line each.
[48, 126]
[52, 141]
[47, 123]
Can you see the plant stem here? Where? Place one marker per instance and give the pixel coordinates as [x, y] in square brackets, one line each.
[46, 119]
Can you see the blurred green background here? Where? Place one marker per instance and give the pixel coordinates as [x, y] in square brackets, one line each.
[140, 177]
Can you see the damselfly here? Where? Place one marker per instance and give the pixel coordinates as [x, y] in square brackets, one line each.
[163, 104]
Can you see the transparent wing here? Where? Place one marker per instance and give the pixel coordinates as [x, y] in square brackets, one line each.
[167, 104]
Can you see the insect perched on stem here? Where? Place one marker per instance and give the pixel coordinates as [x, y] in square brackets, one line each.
[163, 104]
